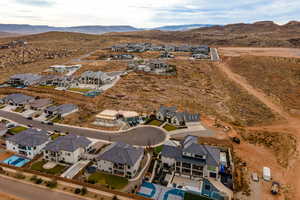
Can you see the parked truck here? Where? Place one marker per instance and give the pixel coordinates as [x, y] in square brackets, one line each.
[266, 174]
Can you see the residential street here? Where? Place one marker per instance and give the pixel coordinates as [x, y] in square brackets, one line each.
[29, 192]
[140, 136]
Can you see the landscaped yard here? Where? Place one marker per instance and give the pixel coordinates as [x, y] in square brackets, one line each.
[114, 182]
[155, 123]
[46, 86]
[83, 90]
[17, 129]
[54, 136]
[56, 119]
[158, 149]
[2, 106]
[169, 127]
[38, 166]
[19, 109]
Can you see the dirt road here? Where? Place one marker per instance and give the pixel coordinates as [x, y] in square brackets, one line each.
[291, 175]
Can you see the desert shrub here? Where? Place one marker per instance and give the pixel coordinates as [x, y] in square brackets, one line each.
[52, 184]
[77, 191]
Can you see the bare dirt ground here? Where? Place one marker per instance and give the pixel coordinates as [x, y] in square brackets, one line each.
[4, 155]
[4, 196]
[257, 157]
[276, 52]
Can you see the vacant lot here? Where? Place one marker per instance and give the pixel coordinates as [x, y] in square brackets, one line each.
[279, 78]
[245, 51]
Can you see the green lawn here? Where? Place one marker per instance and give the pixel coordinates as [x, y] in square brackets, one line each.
[17, 129]
[169, 127]
[38, 166]
[2, 106]
[19, 109]
[155, 123]
[83, 90]
[158, 149]
[56, 119]
[115, 182]
[54, 136]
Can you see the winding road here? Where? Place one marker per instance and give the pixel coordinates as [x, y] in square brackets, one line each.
[139, 136]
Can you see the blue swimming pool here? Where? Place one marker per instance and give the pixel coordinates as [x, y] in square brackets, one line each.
[175, 192]
[147, 190]
[16, 161]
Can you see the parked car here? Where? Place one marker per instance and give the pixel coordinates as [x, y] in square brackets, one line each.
[275, 188]
[29, 118]
[267, 173]
[236, 140]
[50, 123]
[254, 177]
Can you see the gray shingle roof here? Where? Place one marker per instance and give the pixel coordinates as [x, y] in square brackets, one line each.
[18, 98]
[62, 109]
[167, 110]
[39, 103]
[30, 138]
[95, 75]
[187, 117]
[190, 145]
[121, 153]
[68, 143]
[27, 78]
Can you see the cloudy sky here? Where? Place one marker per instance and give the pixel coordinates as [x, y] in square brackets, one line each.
[146, 13]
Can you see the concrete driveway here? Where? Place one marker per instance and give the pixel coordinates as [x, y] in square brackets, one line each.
[140, 136]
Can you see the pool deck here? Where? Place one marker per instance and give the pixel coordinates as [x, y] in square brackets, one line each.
[4, 155]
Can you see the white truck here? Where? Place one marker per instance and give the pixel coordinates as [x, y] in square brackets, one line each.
[266, 173]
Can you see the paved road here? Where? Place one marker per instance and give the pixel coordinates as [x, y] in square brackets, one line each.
[214, 54]
[29, 192]
[141, 136]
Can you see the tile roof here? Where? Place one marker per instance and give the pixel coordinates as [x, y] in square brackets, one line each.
[121, 153]
[30, 138]
[68, 143]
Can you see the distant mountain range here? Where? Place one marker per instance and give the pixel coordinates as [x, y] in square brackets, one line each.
[32, 29]
[182, 27]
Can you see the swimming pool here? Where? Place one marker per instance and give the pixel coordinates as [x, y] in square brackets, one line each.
[174, 194]
[16, 161]
[147, 190]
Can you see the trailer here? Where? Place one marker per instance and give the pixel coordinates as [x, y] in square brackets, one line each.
[266, 173]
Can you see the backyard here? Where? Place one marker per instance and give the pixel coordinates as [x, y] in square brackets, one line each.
[169, 127]
[38, 166]
[155, 123]
[113, 182]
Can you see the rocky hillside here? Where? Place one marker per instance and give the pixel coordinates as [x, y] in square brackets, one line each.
[260, 34]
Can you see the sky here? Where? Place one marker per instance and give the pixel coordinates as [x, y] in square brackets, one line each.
[146, 13]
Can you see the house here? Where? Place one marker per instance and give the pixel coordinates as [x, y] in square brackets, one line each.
[201, 50]
[111, 117]
[24, 79]
[18, 99]
[95, 78]
[192, 160]
[120, 159]
[184, 118]
[166, 54]
[64, 68]
[122, 57]
[40, 104]
[166, 113]
[170, 115]
[107, 118]
[3, 129]
[28, 143]
[200, 56]
[67, 149]
[61, 110]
